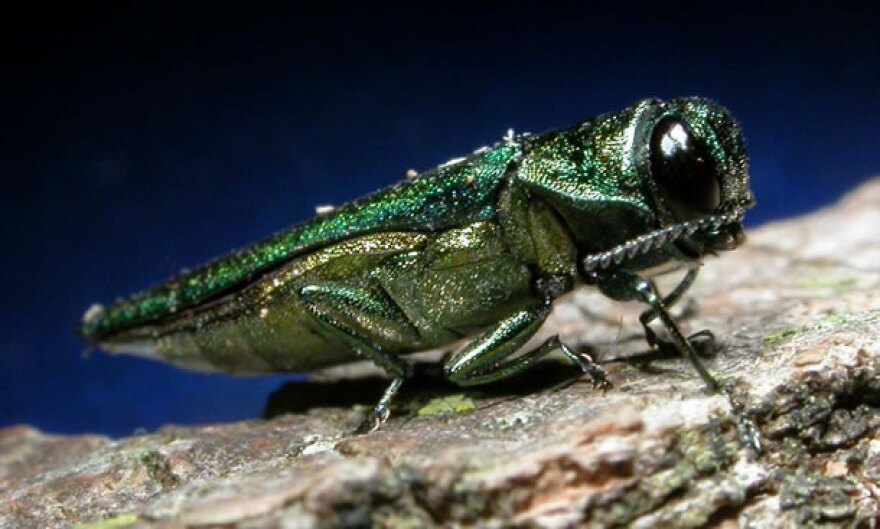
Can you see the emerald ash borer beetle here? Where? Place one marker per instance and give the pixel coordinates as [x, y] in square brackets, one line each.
[477, 249]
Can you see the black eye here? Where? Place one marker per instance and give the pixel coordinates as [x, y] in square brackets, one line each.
[683, 170]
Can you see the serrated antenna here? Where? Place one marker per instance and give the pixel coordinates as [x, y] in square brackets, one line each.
[654, 240]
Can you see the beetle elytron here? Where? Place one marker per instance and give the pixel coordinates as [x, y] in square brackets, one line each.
[476, 248]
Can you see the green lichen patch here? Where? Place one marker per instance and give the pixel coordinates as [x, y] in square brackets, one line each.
[815, 498]
[843, 321]
[117, 522]
[827, 282]
[781, 336]
[457, 404]
[847, 321]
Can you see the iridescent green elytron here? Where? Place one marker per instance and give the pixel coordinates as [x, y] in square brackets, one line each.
[477, 248]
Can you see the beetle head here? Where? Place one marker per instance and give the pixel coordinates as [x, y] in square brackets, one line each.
[694, 153]
[670, 175]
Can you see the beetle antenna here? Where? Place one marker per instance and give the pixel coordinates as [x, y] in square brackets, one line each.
[654, 240]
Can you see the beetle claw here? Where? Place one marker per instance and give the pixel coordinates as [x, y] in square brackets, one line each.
[374, 420]
[597, 374]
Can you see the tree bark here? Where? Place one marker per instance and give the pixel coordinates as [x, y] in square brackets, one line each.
[796, 311]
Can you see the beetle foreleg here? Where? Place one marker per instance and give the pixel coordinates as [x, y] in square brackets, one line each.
[625, 286]
[672, 298]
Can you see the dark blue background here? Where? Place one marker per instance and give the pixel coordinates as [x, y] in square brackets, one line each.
[138, 140]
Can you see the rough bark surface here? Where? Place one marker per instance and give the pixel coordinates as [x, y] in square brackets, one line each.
[797, 314]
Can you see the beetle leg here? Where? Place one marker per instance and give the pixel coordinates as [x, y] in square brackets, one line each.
[672, 298]
[626, 286]
[702, 341]
[623, 285]
[357, 318]
[485, 359]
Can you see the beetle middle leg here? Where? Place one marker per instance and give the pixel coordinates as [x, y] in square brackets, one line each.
[486, 358]
[359, 318]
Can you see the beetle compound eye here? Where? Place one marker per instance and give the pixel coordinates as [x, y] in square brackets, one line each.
[683, 170]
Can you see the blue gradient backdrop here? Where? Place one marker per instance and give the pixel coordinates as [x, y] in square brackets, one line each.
[138, 140]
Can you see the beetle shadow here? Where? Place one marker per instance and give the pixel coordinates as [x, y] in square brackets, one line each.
[427, 382]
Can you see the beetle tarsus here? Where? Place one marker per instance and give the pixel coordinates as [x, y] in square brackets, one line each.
[749, 434]
[380, 413]
[597, 374]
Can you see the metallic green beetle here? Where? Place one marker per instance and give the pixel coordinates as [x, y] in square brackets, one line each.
[476, 248]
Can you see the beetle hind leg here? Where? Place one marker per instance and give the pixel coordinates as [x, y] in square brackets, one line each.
[360, 318]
